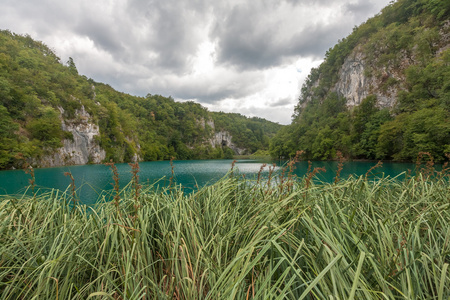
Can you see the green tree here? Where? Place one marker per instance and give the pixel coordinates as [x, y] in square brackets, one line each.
[47, 128]
[72, 67]
[7, 140]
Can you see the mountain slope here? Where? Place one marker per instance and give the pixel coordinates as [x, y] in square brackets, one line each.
[381, 93]
[51, 115]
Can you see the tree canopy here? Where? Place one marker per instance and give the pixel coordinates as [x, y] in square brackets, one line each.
[419, 121]
[38, 92]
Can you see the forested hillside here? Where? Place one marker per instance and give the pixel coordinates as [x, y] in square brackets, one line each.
[48, 113]
[381, 93]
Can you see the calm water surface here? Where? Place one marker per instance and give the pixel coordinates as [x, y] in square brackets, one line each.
[90, 180]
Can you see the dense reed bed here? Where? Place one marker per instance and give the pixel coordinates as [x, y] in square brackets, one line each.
[236, 239]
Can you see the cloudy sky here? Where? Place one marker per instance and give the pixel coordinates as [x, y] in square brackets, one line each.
[240, 56]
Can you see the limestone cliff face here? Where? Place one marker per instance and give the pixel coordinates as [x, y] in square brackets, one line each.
[223, 138]
[80, 150]
[355, 82]
[355, 85]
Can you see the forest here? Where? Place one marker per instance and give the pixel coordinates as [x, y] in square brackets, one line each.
[405, 48]
[407, 40]
[38, 92]
[274, 236]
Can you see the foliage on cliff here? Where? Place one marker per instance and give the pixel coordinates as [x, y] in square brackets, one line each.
[406, 51]
[38, 93]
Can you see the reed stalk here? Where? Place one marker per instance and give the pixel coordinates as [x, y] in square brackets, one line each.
[352, 239]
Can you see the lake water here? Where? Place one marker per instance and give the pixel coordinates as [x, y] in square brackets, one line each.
[90, 180]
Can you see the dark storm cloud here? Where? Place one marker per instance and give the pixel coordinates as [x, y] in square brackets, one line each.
[222, 85]
[142, 47]
[164, 27]
[243, 39]
[245, 49]
[207, 94]
[101, 34]
[280, 102]
[359, 8]
[249, 39]
[171, 32]
[314, 40]
[170, 29]
[247, 34]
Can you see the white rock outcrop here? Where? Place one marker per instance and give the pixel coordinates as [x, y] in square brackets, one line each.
[354, 85]
[223, 138]
[80, 150]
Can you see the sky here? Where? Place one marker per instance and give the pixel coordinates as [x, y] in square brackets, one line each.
[249, 57]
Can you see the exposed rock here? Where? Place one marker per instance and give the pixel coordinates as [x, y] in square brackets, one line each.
[203, 123]
[84, 147]
[210, 123]
[94, 95]
[200, 122]
[445, 37]
[136, 157]
[222, 139]
[354, 85]
[80, 150]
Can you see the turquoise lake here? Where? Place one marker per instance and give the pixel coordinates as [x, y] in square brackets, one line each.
[90, 180]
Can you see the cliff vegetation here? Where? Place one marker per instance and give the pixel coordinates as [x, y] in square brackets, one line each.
[381, 93]
[51, 115]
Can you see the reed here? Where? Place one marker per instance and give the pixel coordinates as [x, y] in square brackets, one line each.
[352, 239]
[369, 172]
[116, 185]
[72, 186]
[341, 161]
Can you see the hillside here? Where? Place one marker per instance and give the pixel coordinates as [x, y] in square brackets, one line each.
[381, 93]
[53, 116]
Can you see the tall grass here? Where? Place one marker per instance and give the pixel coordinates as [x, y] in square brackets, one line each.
[235, 239]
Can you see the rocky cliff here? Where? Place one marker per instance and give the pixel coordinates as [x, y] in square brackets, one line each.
[83, 148]
[354, 84]
[224, 139]
[364, 74]
[381, 93]
[221, 138]
[51, 116]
